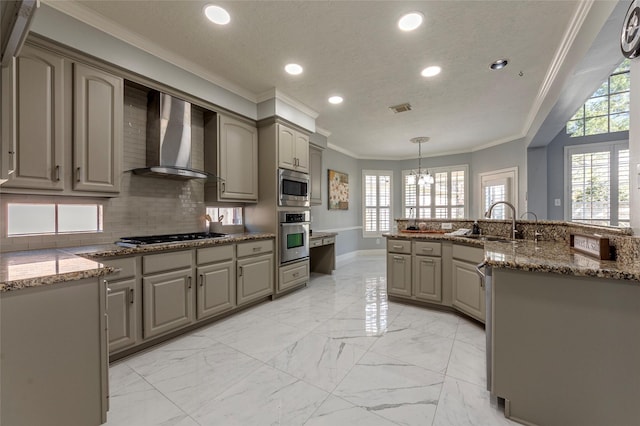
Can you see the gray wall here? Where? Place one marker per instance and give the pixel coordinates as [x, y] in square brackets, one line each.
[555, 167]
[537, 174]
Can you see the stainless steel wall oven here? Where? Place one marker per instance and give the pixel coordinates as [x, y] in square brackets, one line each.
[294, 236]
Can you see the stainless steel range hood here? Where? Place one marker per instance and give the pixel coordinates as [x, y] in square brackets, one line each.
[169, 139]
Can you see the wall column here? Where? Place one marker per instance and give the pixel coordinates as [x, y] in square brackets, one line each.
[634, 145]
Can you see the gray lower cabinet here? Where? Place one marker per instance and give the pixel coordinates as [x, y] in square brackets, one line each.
[123, 314]
[468, 290]
[216, 289]
[293, 275]
[53, 357]
[427, 278]
[255, 278]
[399, 274]
[168, 301]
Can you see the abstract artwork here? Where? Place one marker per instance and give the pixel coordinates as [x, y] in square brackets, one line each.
[338, 190]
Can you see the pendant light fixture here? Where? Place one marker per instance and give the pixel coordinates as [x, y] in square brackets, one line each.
[421, 178]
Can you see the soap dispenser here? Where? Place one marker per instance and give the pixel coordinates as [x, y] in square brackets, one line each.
[476, 228]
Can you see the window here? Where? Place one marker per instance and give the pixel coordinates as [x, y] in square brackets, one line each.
[499, 185]
[230, 215]
[52, 218]
[607, 110]
[598, 184]
[376, 202]
[445, 198]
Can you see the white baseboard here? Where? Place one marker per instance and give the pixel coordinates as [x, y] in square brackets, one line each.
[343, 259]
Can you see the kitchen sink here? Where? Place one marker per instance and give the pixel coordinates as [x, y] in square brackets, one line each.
[489, 238]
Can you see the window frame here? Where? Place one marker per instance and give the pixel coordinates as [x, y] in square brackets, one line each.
[378, 173]
[433, 171]
[100, 220]
[614, 147]
[510, 176]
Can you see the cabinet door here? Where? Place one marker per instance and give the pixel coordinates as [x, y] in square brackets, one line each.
[37, 122]
[301, 152]
[468, 291]
[238, 160]
[315, 175]
[286, 147]
[427, 278]
[121, 308]
[97, 117]
[7, 124]
[399, 274]
[167, 302]
[255, 278]
[216, 289]
[293, 275]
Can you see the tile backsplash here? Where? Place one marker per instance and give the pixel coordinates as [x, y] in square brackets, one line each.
[146, 205]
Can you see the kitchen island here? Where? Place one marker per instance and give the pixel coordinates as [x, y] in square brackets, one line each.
[562, 327]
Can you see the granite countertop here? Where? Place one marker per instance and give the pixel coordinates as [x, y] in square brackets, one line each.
[34, 268]
[322, 235]
[543, 256]
[22, 269]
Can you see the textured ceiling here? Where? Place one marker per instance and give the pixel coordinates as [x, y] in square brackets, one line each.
[354, 48]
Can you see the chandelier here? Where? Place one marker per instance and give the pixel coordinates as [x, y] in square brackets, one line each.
[418, 176]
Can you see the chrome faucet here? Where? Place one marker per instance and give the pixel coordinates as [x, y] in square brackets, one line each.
[536, 234]
[513, 216]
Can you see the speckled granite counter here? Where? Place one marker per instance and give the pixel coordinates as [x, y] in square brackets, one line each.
[22, 269]
[33, 268]
[317, 235]
[545, 256]
[112, 250]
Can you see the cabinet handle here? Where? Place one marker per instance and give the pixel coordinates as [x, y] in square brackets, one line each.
[131, 296]
[257, 248]
[58, 173]
[398, 258]
[397, 247]
[295, 274]
[189, 281]
[11, 153]
[78, 174]
[239, 271]
[223, 187]
[427, 248]
[201, 280]
[427, 261]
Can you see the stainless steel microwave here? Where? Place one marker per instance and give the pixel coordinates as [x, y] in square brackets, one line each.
[293, 188]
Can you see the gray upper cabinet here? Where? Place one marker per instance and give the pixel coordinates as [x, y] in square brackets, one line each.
[49, 99]
[35, 122]
[98, 111]
[293, 149]
[315, 174]
[231, 152]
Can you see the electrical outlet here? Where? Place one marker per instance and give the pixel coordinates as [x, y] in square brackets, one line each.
[556, 202]
[378, 241]
[447, 226]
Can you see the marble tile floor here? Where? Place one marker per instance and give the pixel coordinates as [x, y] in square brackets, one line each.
[334, 353]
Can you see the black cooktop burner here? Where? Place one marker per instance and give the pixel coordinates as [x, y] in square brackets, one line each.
[164, 239]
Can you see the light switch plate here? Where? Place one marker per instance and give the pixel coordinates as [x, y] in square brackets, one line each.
[556, 202]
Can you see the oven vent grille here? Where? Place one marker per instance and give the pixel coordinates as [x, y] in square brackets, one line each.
[400, 108]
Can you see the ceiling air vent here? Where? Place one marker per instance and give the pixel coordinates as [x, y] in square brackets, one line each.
[400, 108]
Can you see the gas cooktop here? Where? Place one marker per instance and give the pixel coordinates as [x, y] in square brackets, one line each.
[164, 239]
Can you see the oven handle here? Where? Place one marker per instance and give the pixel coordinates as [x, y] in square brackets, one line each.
[294, 223]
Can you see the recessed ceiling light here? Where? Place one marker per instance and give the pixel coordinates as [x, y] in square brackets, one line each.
[217, 15]
[293, 69]
[335, 100]
[410, 21]
[499, 64]
[431, 71]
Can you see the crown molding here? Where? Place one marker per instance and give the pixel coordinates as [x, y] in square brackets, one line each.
[278, 94]
[87, 16]
[323, 132]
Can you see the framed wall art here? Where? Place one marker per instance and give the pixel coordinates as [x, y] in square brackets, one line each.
[338, 190]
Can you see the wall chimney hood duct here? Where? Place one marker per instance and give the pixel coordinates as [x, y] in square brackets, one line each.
[169, 139]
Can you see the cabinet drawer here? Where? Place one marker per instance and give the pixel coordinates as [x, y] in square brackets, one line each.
[255, 247]
[328, 240]
[427, 248]
[127, 265]
[399, 246]
[214, 254]
[292, 275]
[468, 254]
[166, 261]
[315, 242]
